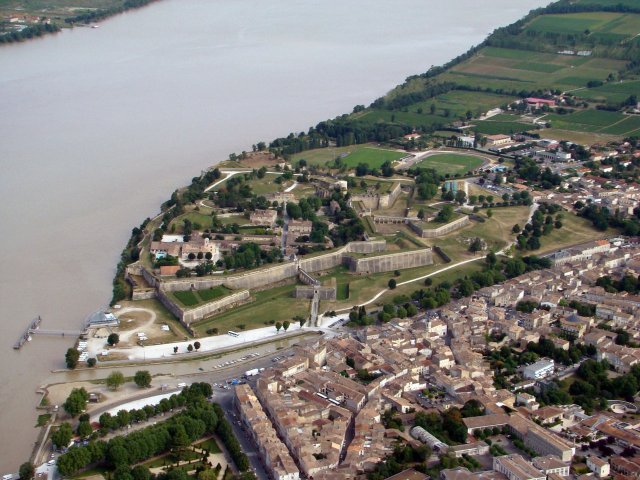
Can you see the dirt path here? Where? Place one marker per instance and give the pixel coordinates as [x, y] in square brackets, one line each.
[125, 336]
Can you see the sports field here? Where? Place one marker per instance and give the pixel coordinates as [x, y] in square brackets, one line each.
[351, 155]
[451, 163]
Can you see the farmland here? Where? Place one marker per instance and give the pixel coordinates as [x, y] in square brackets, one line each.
[596, 121]
[451, 163]
[615, 26]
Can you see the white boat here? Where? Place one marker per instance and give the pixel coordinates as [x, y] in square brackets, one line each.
[95, 26]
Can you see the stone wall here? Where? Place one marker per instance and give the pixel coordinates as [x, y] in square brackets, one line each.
[325, 293]
[440, 231]
[143, 294]
[206, 310]
[376, 201]
[188, 316]
[393, 261]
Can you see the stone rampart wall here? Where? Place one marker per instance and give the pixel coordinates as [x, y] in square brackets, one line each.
[325, 293]
[393, 261]
[443, 230]
[143, 294]
[188, 316]
[225, 303]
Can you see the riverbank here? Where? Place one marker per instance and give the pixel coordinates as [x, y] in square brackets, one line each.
[36, 19]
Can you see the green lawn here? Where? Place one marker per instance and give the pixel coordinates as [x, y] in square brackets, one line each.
[190, 298]
[210, 444]
[187, 298]
[374, 157]
[276, 304]
[451, 163]
[351, 155]
[213, 293]
[574, 230]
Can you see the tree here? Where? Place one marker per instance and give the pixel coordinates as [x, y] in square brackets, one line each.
[113, 339]
[72, 357]
[476, 245]
[392, 283]
[445, 214]
[278, 326]
[115, 380]
[175, 349]
[76, 402]
[62, 436]
[189, 348]
[26, 471]
[84, 429]
[461, 196]
[516, 228]
[196, 345]
[92, 362]
[300, 319]
[285, 325]
[142, 378]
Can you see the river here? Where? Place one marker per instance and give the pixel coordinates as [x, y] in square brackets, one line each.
[98, 126]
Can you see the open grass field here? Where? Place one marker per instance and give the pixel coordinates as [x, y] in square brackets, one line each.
[451, 163]
[276, 304]
[458, 102]
[574, 230]
[596, 121]
[196, 218]
[352, 155]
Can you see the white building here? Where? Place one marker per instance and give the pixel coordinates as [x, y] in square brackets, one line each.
[541, 369]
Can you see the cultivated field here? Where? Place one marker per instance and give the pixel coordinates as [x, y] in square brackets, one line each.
[596, 121]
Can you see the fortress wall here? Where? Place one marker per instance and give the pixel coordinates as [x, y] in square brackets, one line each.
[443, 230]
[146, 294]
[394, 261]
[389, 199]
[197, 283]
[371, 202]
[170, 305]
[373, 246]
[323, 262]
[216, 306]
[325, 293]
[262, 277]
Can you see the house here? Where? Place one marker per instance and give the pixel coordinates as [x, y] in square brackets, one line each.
[551, 464]
[264, 217]
[533, 102]
[598, 466]
[298, 228]
[515, 467]
[496, 140]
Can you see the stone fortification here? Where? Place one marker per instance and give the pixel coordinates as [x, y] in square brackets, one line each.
[376, 201]
[188, 316]
[393, 261]
[324, 293]
[440, 231]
